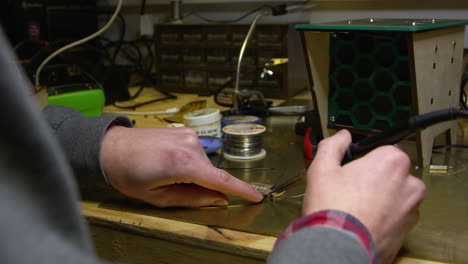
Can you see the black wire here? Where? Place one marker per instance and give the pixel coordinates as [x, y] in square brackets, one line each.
[463, 97]
[137, 62]
[137, 92]
[145, 75]
[147, 79]
[150, 53]
[147, 60]
[143, 6]
[231, 20]
[168, 96]
[450, 146]
[123, 29]
[98, 48]
[403, 130]
[140, 68]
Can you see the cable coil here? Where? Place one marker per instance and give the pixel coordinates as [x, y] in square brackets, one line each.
[244, 141]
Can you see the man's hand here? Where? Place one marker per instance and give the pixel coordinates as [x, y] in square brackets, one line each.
[167, 167]
[377, 189]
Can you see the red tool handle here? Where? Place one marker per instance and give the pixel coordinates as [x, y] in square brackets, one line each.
[308, 146]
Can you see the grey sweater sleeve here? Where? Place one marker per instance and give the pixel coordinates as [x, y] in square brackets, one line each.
[320, 244]
[80, 138]
[41, 222]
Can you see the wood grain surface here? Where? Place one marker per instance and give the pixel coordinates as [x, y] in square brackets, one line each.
[132, 238]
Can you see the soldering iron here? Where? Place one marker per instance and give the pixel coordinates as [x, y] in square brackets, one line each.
[402, 130]
[389, 136]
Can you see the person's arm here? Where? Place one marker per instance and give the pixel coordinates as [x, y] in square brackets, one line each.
[328, 236]
[162, 166]
[81, 137]
[376, 193]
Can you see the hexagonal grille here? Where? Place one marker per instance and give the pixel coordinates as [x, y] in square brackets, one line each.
[369, 75]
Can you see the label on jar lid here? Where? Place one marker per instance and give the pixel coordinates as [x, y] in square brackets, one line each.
[202, 117]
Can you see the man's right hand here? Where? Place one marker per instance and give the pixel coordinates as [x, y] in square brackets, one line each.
[377, 189]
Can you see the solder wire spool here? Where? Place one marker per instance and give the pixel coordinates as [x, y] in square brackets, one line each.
[240, 119]
[244, 141]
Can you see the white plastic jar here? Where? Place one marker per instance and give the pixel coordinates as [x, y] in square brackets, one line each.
[206, 122]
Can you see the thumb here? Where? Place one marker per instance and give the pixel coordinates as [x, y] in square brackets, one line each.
[331, 150]
[185, 195]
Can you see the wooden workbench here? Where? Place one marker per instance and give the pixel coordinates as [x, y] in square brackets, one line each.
[135, 238]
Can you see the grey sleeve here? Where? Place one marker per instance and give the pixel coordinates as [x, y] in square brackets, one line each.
[320, 244]
[80, 138]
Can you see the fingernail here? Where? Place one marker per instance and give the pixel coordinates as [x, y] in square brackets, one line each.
[220, 203]
[341, 131]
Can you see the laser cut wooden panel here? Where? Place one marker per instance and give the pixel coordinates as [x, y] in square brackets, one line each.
[369, 74]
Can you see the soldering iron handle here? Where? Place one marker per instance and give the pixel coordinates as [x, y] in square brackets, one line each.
[401, 131]
[348, 156]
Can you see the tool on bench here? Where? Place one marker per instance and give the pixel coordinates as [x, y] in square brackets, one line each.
[309, 127]
[283, 186]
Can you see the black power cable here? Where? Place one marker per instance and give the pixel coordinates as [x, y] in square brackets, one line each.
[123, 29]
[143, 6]
[139, 66]
[450, 146]
[402, 130]
[463, 97]
[167, 97]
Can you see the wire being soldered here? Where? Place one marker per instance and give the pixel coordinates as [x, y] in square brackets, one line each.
[403, 130]
[76, 43]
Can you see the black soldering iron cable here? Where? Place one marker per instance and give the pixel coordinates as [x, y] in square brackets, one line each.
[402, 130]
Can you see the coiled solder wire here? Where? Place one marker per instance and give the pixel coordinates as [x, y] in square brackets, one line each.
[243, 140]
[243, 145]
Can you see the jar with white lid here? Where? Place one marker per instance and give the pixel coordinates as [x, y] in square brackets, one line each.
[206, 122]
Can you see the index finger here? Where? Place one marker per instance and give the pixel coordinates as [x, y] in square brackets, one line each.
[213, 178]
[331, 150]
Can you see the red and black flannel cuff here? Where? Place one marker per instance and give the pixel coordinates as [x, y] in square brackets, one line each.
[336, 219]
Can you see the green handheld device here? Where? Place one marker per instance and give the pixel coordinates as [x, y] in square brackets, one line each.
[89, 102]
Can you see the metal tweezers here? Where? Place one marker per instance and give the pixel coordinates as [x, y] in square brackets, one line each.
[283, 186]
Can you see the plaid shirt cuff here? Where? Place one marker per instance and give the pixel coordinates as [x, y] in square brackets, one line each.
[336, 219]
